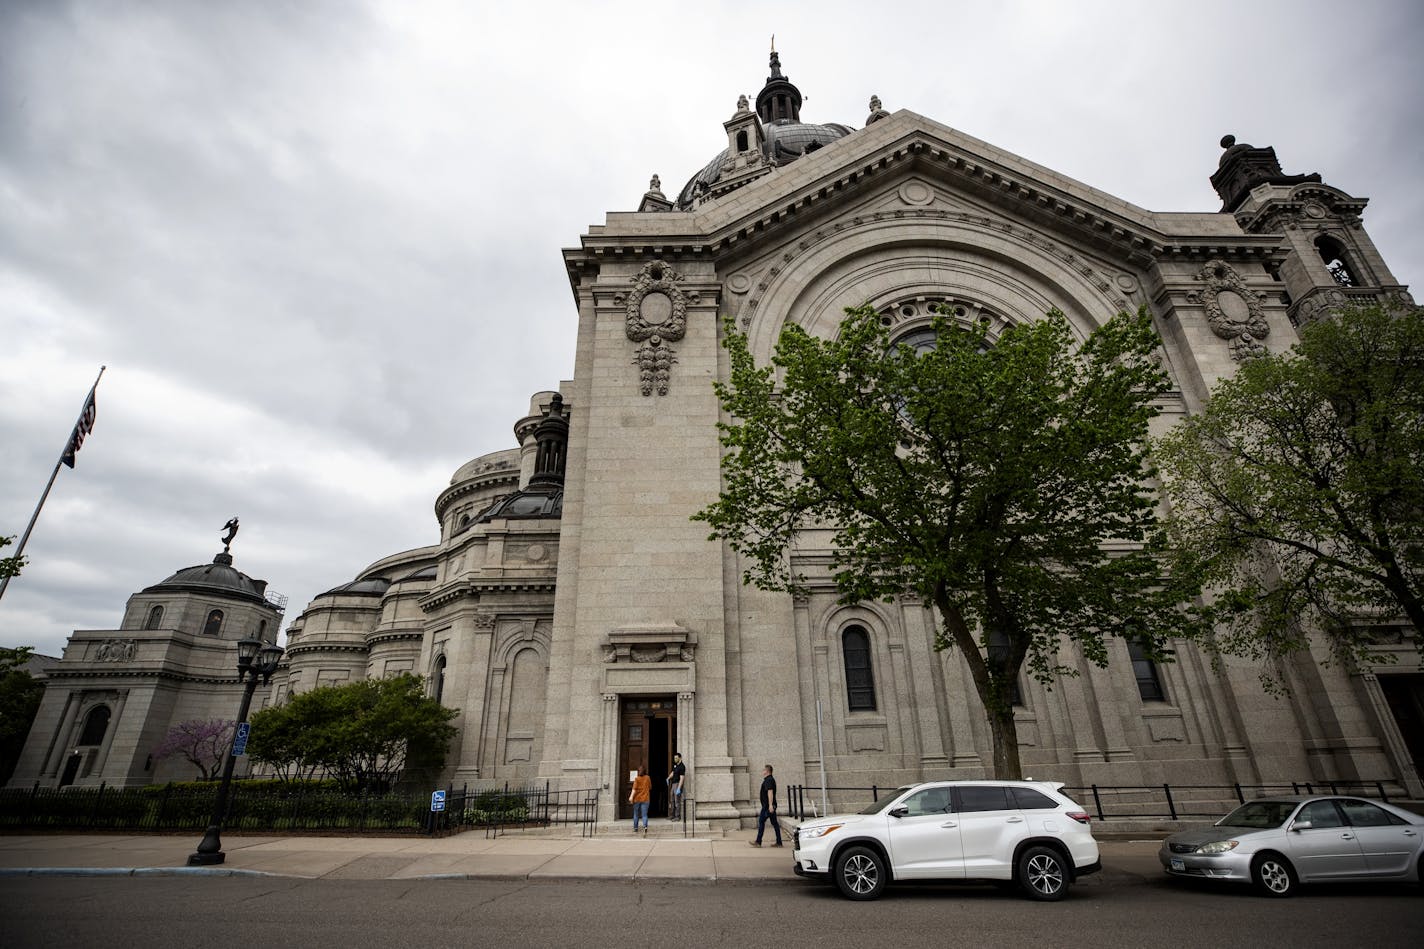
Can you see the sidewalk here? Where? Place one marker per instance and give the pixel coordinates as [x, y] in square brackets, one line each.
[462, 856]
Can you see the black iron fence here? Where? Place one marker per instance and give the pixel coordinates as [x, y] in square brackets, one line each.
[500, 809]
[1117, 802]
[254, 806]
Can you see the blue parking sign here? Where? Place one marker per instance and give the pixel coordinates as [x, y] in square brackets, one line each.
[437, 801]
[239, 743]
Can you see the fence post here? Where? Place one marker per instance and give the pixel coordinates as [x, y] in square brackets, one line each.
[1171, 806]
[163, 806]
[1098, 803]
[1379, 786]
[98, 800]
[30, 804]
[874, 793]
[1240, 798]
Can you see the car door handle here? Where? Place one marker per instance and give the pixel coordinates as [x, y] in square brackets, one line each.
[1347, 836]
[1410, 833]
[949, 823]
[1013, 820]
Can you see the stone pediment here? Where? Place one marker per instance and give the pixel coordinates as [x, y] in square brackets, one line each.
[958, 167]
[650, 643]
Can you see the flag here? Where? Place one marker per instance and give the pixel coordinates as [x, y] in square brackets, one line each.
[83, 427]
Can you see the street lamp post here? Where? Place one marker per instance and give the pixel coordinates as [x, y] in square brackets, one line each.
[255, 660]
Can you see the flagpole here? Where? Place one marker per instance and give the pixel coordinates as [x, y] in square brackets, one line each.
[24, 538]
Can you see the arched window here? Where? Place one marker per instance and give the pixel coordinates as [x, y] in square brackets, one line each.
[741, 141]
[155, 618]
[1149, 684]
[214, 623]
[860, 679]
[437, 679]
[1333, 254]
[96, 723]
[998, 650]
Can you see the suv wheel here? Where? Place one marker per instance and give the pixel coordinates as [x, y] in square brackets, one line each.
[1042, 874]
[860, 873]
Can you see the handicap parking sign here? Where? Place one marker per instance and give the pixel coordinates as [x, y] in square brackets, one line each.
[239, 743]
[437, 801]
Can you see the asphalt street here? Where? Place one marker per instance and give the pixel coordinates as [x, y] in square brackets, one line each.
[274, 913]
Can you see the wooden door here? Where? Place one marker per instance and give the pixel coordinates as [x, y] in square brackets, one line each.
[647, 731]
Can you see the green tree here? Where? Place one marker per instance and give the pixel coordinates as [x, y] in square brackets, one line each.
[1298, 492]
[999, 481]
[364, 734]
[10, 566]
[20, 695]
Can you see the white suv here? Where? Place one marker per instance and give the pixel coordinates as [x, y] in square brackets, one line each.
[1021, 831]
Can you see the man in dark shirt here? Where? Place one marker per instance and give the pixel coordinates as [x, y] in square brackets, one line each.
[675, 781]
[768, 808]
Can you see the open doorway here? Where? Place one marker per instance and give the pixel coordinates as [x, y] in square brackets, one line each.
[648, 732]
[1405, 695]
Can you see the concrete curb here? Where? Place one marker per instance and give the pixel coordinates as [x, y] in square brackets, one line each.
[130, 872]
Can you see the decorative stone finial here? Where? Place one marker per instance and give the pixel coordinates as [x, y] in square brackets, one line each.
[1228, 140]
[877, 111]
[743, 104]
[656, 185]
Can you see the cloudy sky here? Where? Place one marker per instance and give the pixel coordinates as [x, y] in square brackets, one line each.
[317, 243]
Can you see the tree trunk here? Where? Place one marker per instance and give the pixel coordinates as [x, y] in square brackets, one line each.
[1003, 731]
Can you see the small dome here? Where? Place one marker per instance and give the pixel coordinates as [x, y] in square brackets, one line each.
[526, 504]
[506, 460]
[371, 586]
[424, 573]
[218, 578]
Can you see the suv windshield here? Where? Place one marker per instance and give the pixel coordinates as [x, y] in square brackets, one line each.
[884, 802]
[1259, 815]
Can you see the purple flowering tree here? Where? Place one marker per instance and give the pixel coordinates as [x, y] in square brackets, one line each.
[202, 742]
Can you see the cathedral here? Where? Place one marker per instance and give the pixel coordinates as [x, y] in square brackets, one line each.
[584, 626]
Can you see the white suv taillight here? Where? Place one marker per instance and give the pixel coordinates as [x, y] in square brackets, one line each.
[1079, 816]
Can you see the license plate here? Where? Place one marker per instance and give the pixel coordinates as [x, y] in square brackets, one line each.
[1179, 865]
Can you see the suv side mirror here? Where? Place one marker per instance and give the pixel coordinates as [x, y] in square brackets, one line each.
[1302, 825]
[899, 810]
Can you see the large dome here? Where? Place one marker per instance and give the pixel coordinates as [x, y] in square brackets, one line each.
[219, 578]
[785, 141]
[785, 137]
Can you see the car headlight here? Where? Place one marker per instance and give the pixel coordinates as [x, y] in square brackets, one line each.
[1218, 846]
[814, 832]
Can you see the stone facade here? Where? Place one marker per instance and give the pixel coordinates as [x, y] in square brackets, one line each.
[584, 625]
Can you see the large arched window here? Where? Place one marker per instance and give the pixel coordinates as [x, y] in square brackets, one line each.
[860, 678]
[214, 623]
[96, 723]
[155, 618]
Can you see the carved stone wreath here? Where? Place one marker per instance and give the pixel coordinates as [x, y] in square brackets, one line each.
[656, 313]
[1233, 310]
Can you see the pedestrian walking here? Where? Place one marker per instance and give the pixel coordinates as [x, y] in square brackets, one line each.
[640, 795]
[768, 808]
[675, 780]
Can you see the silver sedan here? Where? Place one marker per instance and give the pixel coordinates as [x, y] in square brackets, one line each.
[1278, 843]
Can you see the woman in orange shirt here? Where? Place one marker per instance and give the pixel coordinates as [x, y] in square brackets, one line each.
[642, 791]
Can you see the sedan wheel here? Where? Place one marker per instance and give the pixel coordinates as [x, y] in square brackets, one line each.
[1272, 875]
[860, 873]
[1042, 874]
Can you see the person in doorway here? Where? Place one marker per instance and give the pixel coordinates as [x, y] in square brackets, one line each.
[768, 808]
[640, 795]
[675, 780]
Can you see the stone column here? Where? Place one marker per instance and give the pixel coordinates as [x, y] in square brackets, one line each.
[608, 760]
